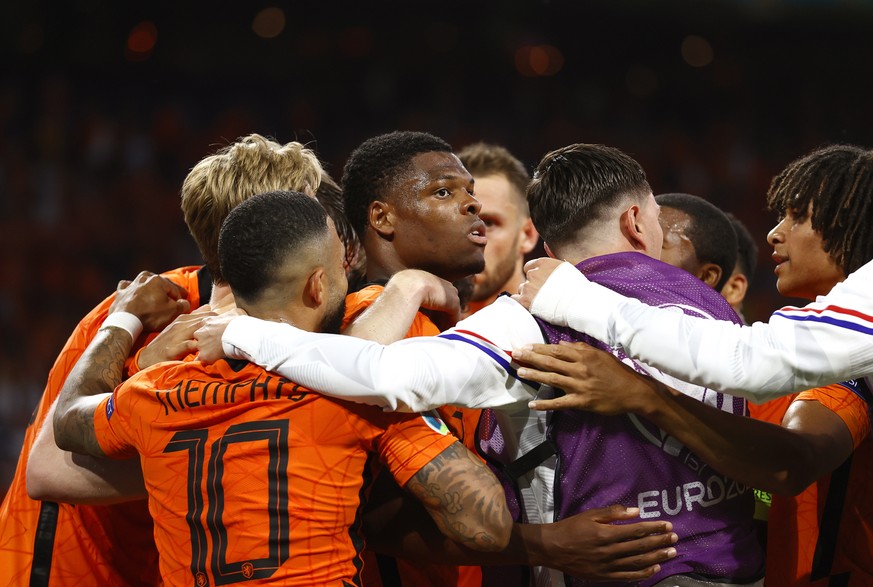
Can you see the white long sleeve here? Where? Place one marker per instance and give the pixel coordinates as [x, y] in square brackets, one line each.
[466, 366]
[827, 341]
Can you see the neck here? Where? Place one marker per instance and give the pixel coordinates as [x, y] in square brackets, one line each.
[575, 254]
[302, 318]
[382, 259]
[511, 286]
[594, 243]
[221, 299]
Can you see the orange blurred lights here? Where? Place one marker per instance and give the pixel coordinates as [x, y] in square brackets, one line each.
[538, 60]
[269, 23]
[141, 41]
[696, 51]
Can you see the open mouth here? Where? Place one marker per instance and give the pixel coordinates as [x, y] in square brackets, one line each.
[477, 235]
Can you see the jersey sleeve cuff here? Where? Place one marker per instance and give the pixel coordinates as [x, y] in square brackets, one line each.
[250, 338]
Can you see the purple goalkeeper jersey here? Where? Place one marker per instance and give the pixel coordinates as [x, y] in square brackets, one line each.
[604, 460]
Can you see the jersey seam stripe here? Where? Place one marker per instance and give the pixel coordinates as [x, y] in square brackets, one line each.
[500, 360]
[482, 338]
[828, 320]
[834, 309]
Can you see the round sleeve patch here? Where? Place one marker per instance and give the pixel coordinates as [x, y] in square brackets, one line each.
[435, 422]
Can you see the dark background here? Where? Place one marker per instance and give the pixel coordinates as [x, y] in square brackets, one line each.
[105, 106]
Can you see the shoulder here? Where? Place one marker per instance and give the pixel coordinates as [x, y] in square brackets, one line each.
[849, 401]
[196, 280]
[849, 397]
[358, 301]
[189, 273]
[365, 295]
[504, 323]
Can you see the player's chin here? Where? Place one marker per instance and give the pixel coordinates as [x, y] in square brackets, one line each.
[476, 263]
[463, 264]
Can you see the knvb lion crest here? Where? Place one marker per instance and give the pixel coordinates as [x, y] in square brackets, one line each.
[248, 570]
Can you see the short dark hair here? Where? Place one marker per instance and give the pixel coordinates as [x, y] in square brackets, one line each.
[260, 232]
[483, 159]
[709, 230]
[747, 248]
[838, 182]
[573, 186]
[378, 163]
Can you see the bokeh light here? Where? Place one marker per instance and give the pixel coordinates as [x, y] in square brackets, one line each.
[538, 60]
[141, 41]
[696, 51]
[269, 23]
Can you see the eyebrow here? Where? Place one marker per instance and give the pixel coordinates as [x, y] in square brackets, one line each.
[448, 176]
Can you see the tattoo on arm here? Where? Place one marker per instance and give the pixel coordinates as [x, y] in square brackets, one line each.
[463, 497]
[97, 372]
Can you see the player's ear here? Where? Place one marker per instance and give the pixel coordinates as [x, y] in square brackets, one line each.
[549, 251]
[315, 291]
[632, 227]
[380, 216]
[529, 237]
[734, 289]
[710, 274]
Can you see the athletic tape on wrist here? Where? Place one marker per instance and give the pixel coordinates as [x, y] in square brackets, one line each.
[126, 321]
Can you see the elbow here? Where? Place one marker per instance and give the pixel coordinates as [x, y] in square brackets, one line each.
[39, 484]
[35, 488]
[496, 521]
[502, 531]
[494, 532]
[64, 439]
[794, 483]
[61, 439]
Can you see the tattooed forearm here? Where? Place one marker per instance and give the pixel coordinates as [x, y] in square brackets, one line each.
[464, 499]
[97, 373]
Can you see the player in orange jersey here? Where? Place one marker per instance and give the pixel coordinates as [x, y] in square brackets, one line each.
[249, 475]
[411, 201]
[43, 542]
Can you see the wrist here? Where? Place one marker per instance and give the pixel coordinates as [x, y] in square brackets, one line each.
[126, 321]
[651, 396]
[133, 363]
[415, 285]
[529, 541]
[551, 301]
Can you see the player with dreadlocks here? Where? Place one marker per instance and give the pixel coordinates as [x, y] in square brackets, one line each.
[833, 187]
[824, 342]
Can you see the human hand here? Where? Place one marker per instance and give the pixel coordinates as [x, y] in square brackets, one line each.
[155, 300]
[431, 292]
[536, 272]
[590, 546]
[592, 379]
[176, 340]
[208, 337]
